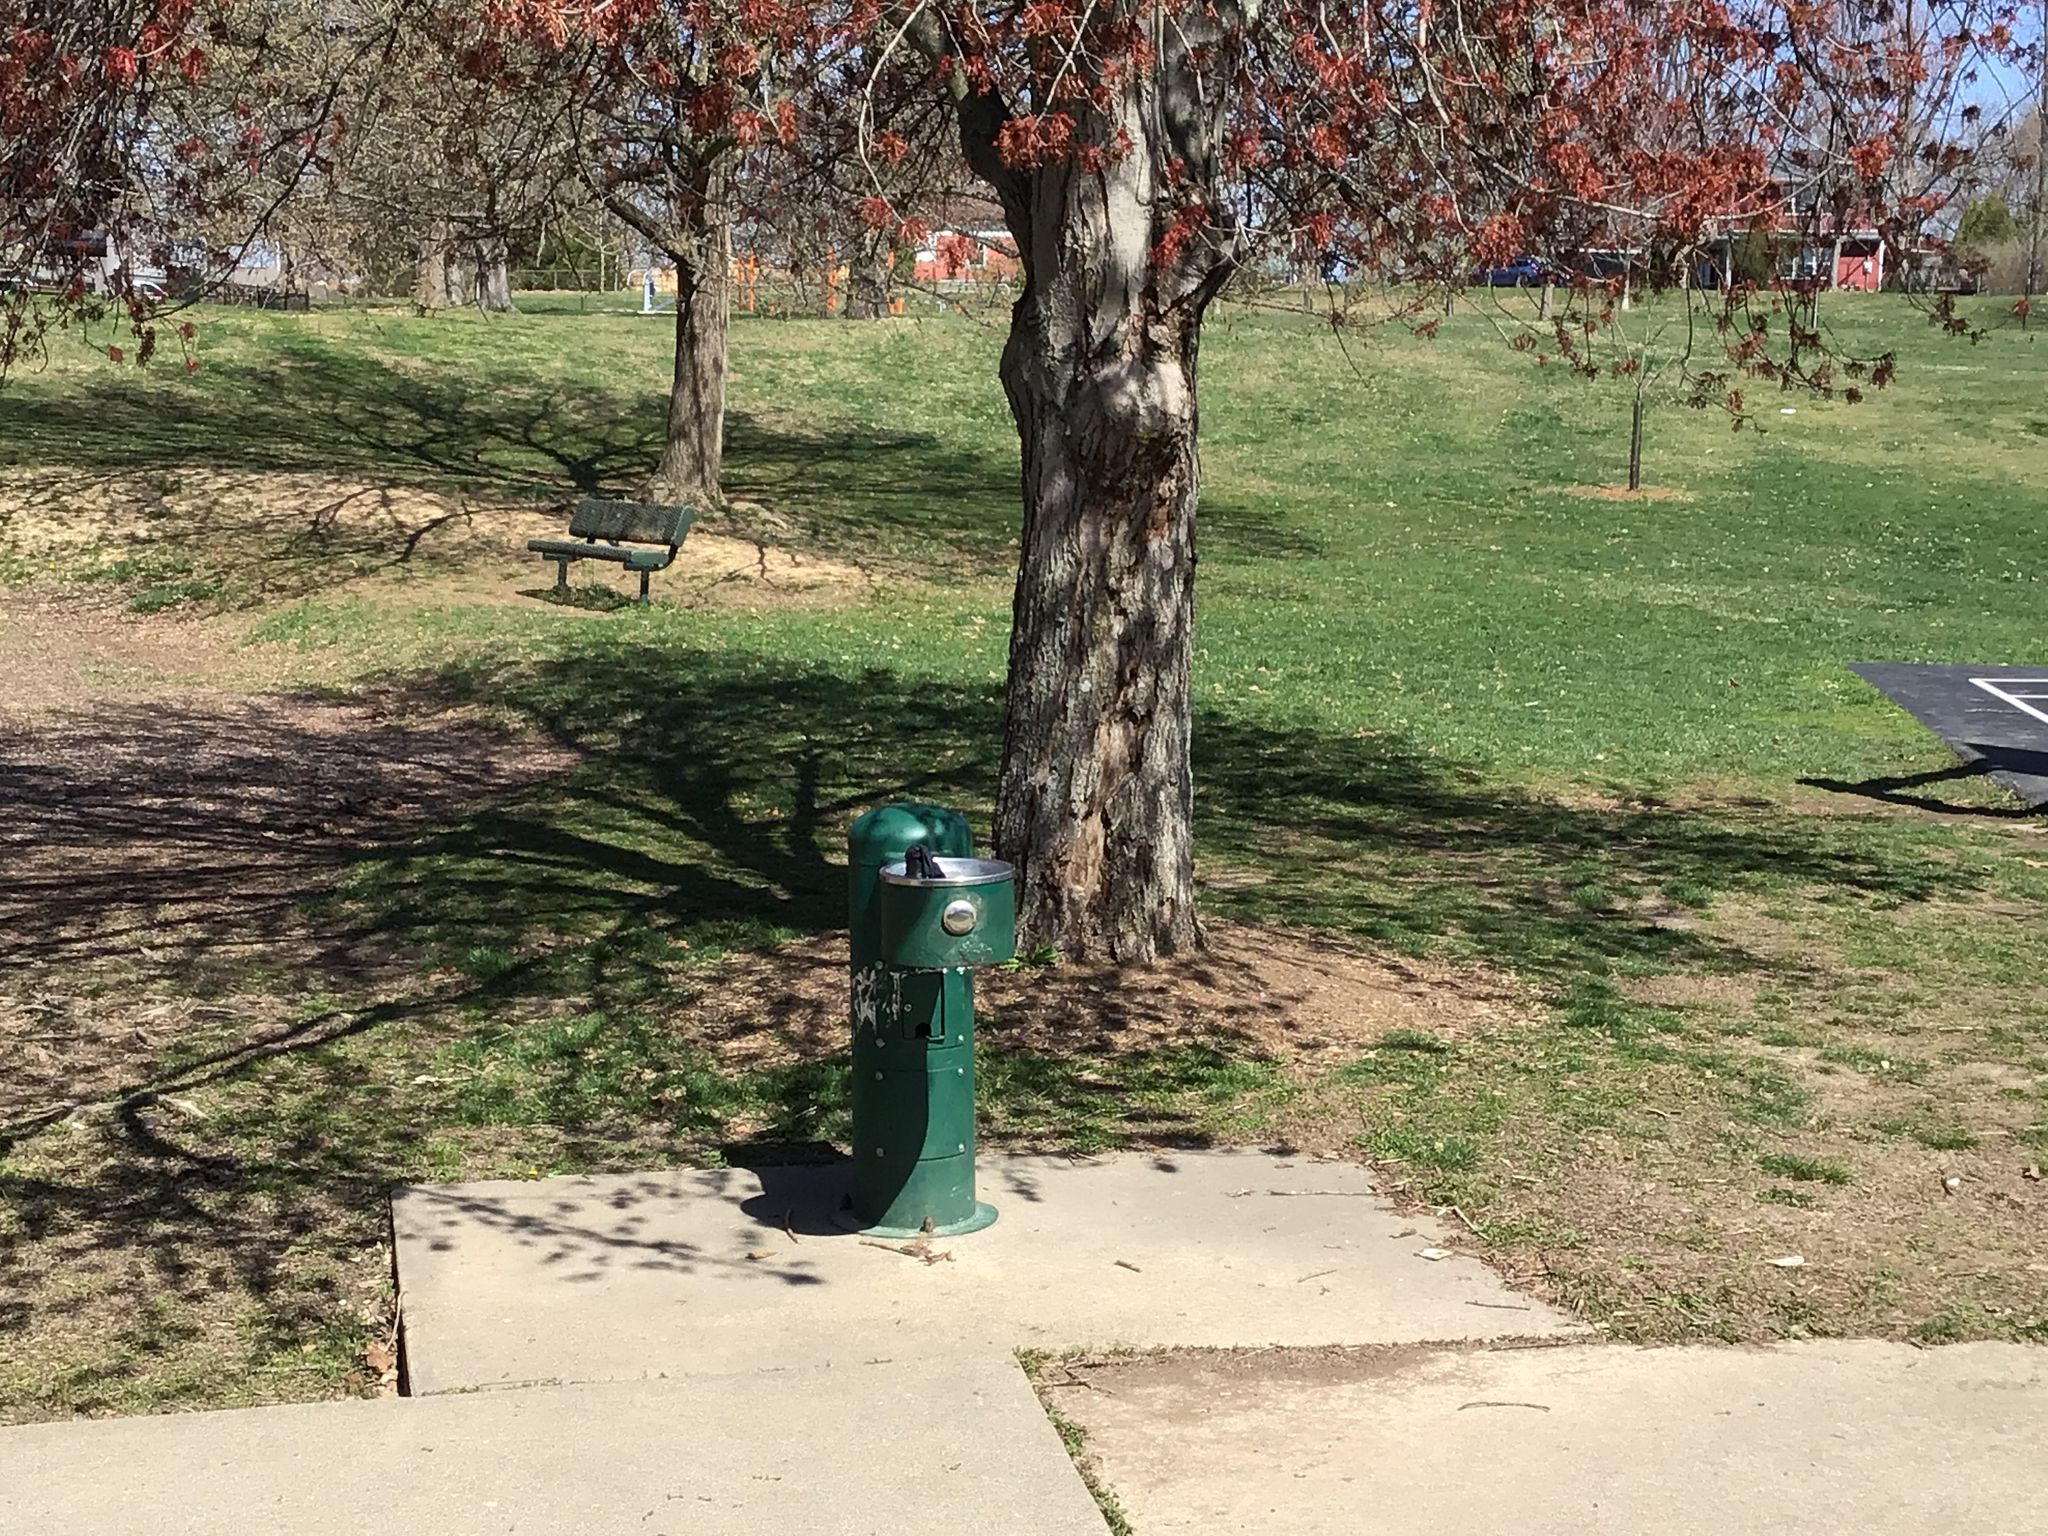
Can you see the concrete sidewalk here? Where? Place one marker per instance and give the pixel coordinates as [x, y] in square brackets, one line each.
[1587, 1440]
[585, 1279]
[736, 1366]
[931, 1449]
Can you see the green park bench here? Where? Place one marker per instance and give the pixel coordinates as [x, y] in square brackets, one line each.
[639, 535]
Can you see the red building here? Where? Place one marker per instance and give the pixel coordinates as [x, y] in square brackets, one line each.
[1859, 261]
[1851, 260]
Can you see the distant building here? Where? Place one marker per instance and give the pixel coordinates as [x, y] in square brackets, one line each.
[1851, 260]
[96, 261]
[1859, 261]
[969, 244]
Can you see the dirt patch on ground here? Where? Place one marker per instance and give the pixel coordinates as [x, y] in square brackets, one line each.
[1297, 997]
[1294, 997]
[1683, 989]
[68, 646]
[1623, 493]
[67, 1050]
[1782, 949]
[1941, 794]
[181, 841]
[711, 570]
[1775, 1163]
[212, 540]
[1670, 1234]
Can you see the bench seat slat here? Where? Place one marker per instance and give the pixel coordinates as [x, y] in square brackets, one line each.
[576, 549]
[632, 557]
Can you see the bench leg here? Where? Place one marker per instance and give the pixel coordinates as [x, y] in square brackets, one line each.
[562, 577]
[643, 588]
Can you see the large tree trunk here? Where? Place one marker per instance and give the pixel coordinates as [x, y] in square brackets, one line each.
[695, 448]
[461, 278]
[1096, 794]
[697, 236]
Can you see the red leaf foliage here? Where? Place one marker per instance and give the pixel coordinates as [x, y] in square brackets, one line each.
[1356, 137]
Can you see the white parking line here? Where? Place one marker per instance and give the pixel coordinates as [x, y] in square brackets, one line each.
[2000, 689]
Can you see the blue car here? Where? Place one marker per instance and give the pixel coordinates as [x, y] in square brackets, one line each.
[1522, 272]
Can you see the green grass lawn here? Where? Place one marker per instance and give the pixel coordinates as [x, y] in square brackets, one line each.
[1454, 705]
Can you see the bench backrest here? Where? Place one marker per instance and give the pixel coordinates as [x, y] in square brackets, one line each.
[629, 522]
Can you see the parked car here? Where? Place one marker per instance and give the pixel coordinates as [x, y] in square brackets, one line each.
[1522, 272]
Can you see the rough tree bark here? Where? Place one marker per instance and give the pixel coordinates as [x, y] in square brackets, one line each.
[695, 450]
[1095, 796]
[461, 279]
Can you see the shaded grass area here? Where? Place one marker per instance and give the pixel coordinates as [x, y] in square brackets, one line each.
[1448, 708]
[763, 760]
[526, 989]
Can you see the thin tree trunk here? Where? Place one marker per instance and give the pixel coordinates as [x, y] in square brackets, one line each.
[494, 276]
[2037, 197]
[694, 451]
[1635, 444]
[697, 237]
[871, 283]
[430, 275]
[1544, 306]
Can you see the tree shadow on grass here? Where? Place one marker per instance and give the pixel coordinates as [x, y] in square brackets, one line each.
[505, 433]
[231, 1025]
[501, 432]
[342, 412]
[1370, 836]
[1377, 839]
[666, 803]
[428, 964]
[2018, 771]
